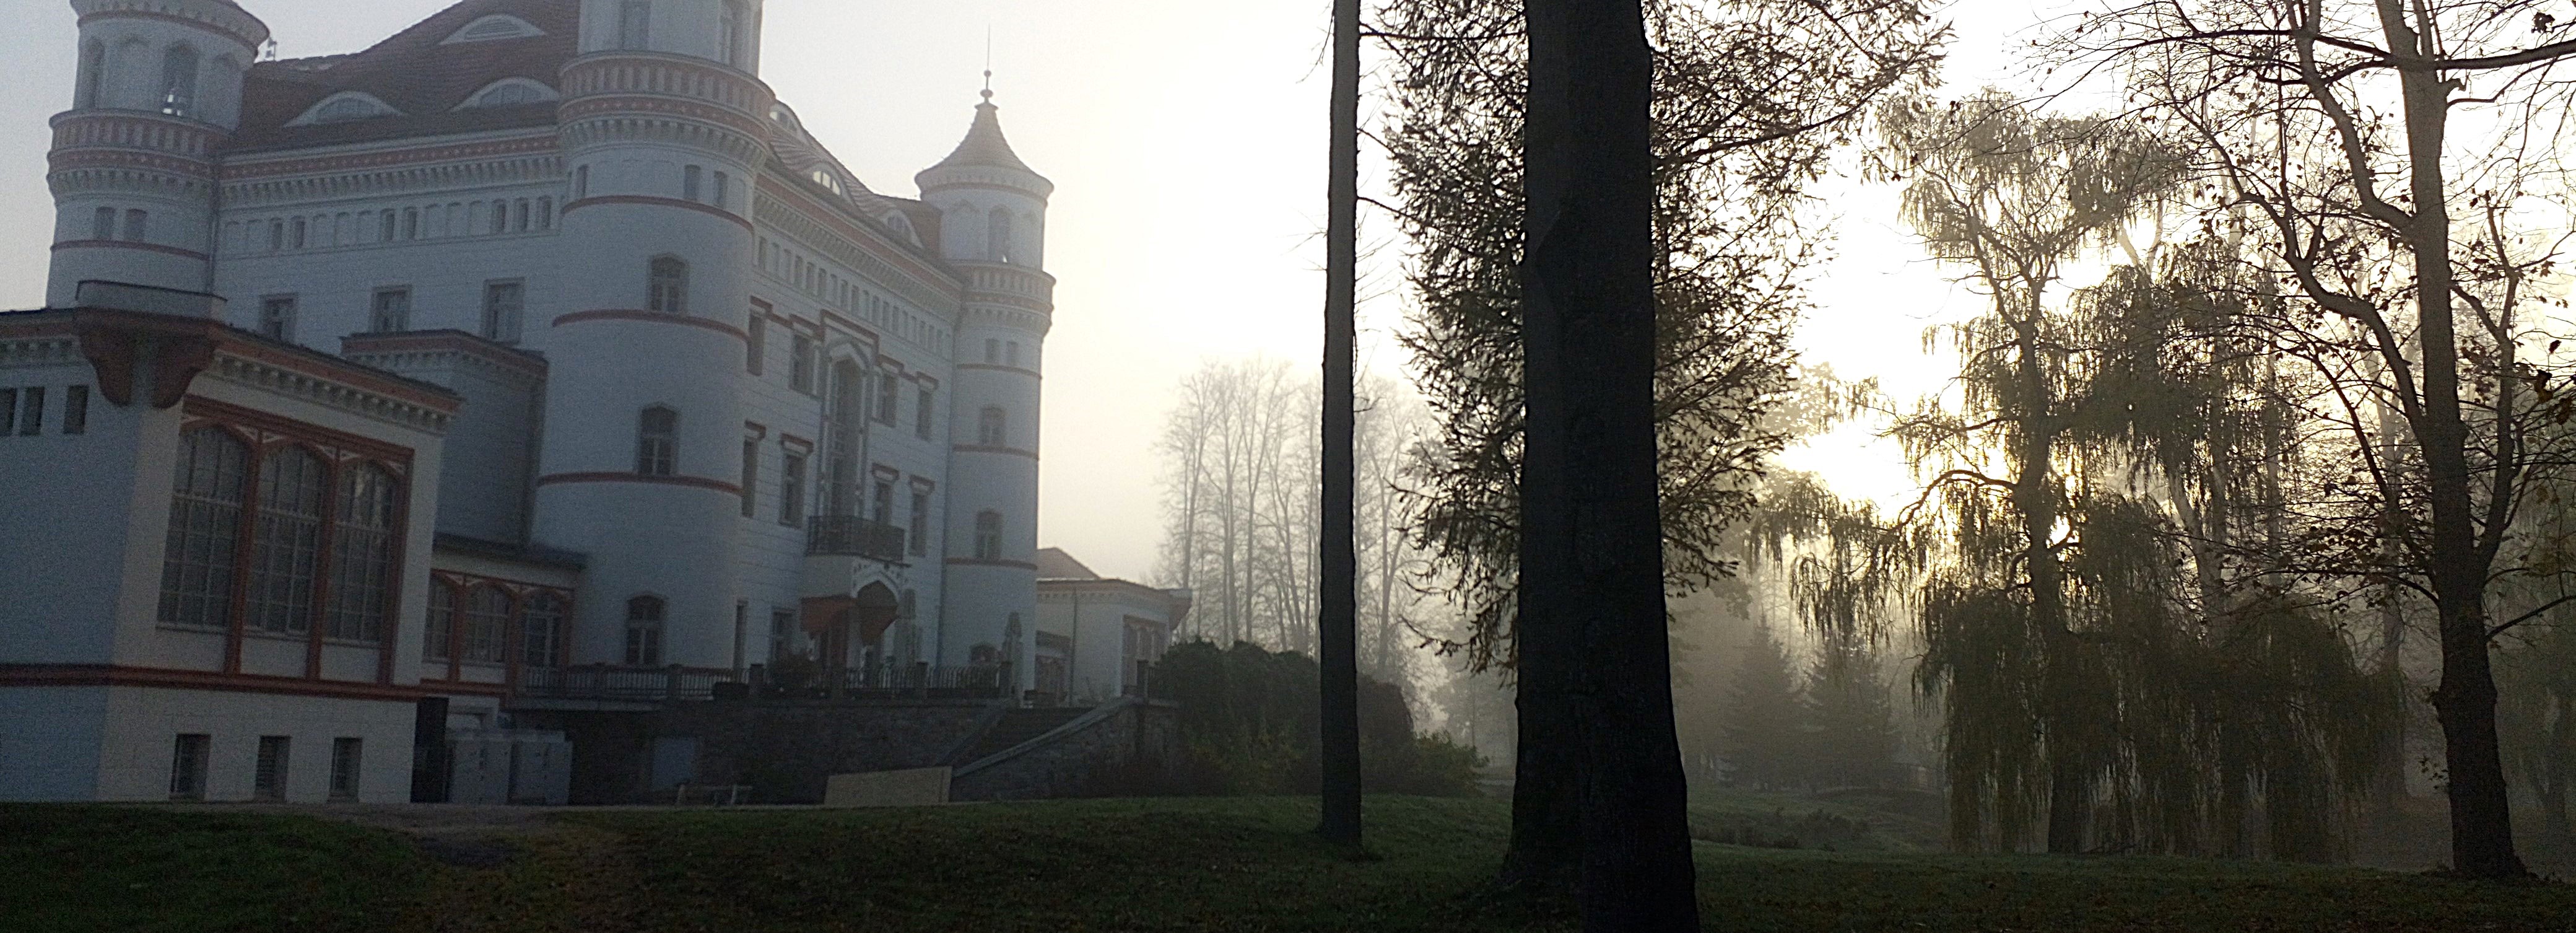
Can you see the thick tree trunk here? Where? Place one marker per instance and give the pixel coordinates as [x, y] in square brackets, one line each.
[1338, 621]
[1591, 568]
[2481, 816]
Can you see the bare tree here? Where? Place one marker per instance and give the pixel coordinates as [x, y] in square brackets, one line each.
[2351, 134]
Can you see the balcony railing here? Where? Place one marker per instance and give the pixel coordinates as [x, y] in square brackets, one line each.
[631, 684]
[852, 536]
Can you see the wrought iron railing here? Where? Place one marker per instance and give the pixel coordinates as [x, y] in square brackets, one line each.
[608, 682]
[852, 536]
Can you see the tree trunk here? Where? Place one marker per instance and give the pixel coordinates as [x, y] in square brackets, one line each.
[2481, 817]
[1592, 581]
[1338, 620]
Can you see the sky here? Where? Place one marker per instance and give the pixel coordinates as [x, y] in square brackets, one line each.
[1186, 142]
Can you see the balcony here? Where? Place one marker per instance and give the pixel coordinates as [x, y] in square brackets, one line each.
[603, 683]
[852, 536]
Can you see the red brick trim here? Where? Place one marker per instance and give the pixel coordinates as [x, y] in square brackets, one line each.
[129, 244]
[977, 562]
[1005, 451]
[999, 368]
[691, 481]
[244, 171]
[652, 201]
[104, 675]
[651, 317]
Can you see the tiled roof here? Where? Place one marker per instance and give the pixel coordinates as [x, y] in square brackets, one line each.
[416, 75]
[1055, 564]
[984, 146]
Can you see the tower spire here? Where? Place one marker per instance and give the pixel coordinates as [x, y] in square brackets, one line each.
[988, 64]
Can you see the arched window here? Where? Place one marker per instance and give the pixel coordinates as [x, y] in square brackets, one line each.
[993, 427]
[644, 631]
[205, 525]
[510, 94]
[487, 622]
[349, 107]
[657, 441]
[736, 39]
[541, 635]
[998, 236]
[988, 535]
[666, 285]
[93, 73]
[179, 81]
[286, 546]
[362, 554]
[581, 183]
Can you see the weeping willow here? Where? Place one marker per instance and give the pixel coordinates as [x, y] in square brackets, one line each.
[2121, 660]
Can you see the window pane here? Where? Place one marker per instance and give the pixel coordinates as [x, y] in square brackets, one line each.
[346, 761]
[205, 528]
[31, 412]
[502, 306]
[362, 555]
[287, 541]
[439, 634]
[487, 620]
[541, 631]
[76, 409]
[188, 767]
[268, 782]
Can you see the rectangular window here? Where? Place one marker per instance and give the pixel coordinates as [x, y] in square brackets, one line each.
[31, 412]
[277, 318]
[138, 226]
[519, 214]
[8, 412]
[782, 634]
[889, 396]
[920, 532]
[921, 425]
[800, 365]
[411, 223]
[268, 779]
[750, 475]
[385, 226]
[502, 304]
[301, 231]
[724, 187]
[347, 756]
[76, 410]
[791, 491]
[391, 312]
[188, 766]
[692, 182]
[729, 34]
[103, 227]
[657, 442]
[756, 341]
[438, 637]
[881, 503]
[1011, 353]
[992, 350]
[500, 217]
[635, 25]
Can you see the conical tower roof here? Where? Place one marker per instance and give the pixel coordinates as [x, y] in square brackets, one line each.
[984, 157]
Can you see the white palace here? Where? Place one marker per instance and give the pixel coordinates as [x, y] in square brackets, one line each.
[535, 355]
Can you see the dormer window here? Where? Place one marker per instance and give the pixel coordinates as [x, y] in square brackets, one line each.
[510, 93]
[345, 107]
[494, 28]
[825, 178]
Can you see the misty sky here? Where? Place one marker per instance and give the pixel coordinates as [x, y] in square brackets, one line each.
[1186, 141]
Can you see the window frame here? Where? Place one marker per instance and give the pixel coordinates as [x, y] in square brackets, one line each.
[348, 764]
[646, 616]
[390, 304]
[657, 447]
[666, 285]
[504, 324]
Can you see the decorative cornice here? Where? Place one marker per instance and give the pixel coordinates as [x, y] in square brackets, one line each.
[265, 371]
[794, 213]
[693, 482]
[978, 562]
[232, 21]
[107, 675]
[651, 317]
[651, 201]
[983, 449]
[129, 244]
[999, 368]
[411, 351]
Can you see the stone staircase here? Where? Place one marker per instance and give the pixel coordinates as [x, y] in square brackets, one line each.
[1017, 726]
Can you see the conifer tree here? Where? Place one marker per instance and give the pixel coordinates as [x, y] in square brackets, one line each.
[1851, 737]
[1766, 719]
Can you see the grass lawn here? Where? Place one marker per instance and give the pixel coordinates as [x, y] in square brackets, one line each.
[1195, 864]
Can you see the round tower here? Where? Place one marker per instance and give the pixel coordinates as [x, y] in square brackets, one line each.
[663, 131]
[133, 163]
[993, 230]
